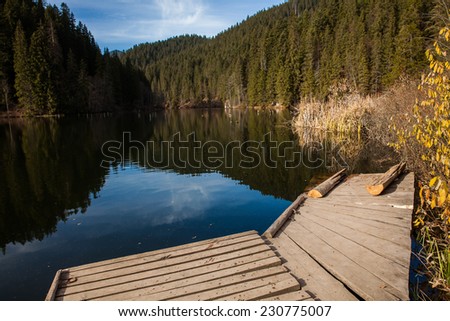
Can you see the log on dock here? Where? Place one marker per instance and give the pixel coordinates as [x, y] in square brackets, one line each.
[379, 185]
[273, 229]
[324, 188]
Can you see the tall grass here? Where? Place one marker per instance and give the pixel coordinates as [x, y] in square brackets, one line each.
[349, 112]
[343, 115]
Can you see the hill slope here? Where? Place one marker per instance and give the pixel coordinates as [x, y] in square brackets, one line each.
[299, 49]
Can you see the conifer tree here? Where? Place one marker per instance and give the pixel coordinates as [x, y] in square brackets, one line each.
[309, 84]
[5, 60]
[44, 98]
[23, 83]
[363, 72]
[407, 58]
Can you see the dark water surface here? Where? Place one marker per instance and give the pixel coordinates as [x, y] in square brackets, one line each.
[59, 207]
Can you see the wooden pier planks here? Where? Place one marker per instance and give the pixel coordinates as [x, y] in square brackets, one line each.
[314, 279]
[234, 267]
[361, 241]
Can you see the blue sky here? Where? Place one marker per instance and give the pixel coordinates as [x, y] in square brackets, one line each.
[119, 24]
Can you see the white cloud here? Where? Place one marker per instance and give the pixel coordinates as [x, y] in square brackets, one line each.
[122, 23]
[178, 17]
[184, 12]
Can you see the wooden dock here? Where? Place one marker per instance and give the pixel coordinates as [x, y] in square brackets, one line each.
[348, 245]
[235, 267]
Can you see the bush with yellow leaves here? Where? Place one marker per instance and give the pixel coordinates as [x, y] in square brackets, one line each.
[432, 131]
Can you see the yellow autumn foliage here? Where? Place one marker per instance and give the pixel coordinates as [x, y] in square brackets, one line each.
[430, 136]
[432, 131]
[432, 121]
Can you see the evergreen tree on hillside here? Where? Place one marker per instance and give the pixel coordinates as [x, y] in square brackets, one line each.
[52, 65]
[42, 75]
[5, 61]
[407, 58]
[297, 50]
[293, 51]
[23, 83]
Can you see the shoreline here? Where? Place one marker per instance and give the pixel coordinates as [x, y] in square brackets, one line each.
[18, 114]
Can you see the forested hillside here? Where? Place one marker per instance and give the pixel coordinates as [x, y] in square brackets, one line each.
[299, 49]
[51, 64]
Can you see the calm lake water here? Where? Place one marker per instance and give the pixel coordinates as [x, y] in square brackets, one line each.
[67, 198]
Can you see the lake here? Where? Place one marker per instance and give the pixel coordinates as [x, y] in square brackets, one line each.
[76, 190]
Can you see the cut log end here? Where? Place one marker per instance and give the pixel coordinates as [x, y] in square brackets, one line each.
[315, 194]
[324, 188]
[379, 185]
[375, 190]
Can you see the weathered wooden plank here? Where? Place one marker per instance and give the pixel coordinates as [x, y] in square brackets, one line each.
[51, 294]
[168, 257]
[186, 248]
[361, 280]
[211, 285]
[275, 287]
[399, 220]
[402, 187]
[173, 279]
[400, 215]
[350, 193]
[277, 284]
[386, 202]
[217, 294]
[313, 278]
[386, 249]
[279, 222]
[291, 296]
[378, 229]
[245, 248]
